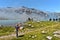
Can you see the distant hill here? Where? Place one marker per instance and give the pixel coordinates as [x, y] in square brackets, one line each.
[23, 13]
[3, 18]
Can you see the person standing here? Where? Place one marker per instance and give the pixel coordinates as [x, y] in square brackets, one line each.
[17, 27]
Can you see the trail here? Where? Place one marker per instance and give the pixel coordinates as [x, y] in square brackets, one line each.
[11, 35]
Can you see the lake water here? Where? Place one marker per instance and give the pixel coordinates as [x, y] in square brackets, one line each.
[22, 18]
[9, 22]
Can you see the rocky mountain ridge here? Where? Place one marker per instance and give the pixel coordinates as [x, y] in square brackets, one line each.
[25, 12]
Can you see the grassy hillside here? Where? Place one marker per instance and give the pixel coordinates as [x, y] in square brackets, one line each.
[33, 30]
[5, 30]
[48, 26]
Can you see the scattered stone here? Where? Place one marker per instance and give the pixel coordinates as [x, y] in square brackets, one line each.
[44, 32]
[32, 26]
[29, 25]
[57, 35]
[33, 37]
[49, 37]
[57, 32]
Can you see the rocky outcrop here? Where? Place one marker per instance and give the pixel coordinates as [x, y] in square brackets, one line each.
[22, 13]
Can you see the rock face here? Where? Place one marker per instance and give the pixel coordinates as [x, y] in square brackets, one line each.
[22, 13]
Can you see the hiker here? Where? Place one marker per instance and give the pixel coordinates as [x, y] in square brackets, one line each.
[18, 26]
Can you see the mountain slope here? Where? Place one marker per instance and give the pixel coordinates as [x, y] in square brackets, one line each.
[22, 13]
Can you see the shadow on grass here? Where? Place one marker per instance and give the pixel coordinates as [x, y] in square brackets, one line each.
[20, 35]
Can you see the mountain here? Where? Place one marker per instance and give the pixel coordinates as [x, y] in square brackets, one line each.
[23, 13]
[3, 18]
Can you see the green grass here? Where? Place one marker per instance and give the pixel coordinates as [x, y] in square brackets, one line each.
[48, 26]
[40, 24]
[6, 30]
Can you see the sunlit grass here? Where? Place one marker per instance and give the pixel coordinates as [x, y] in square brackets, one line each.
[6, 30]
[47, 26]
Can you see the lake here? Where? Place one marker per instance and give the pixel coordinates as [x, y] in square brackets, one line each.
[9, 22]
[22, 18]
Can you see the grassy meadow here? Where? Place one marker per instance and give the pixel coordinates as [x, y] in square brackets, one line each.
[6, 30]
[33, 30]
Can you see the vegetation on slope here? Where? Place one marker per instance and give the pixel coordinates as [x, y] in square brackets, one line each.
[47, 26]
[5, 30]
[33, 30]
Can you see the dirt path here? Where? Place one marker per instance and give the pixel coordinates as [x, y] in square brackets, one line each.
[11, 35]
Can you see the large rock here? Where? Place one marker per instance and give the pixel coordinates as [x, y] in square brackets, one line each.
[56, 32]
[49, 37]
[56, 35]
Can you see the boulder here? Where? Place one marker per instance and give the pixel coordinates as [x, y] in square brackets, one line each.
[56, 32]
[49, 37]
[57, 35]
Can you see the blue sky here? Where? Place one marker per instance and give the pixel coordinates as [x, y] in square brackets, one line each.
[46, 5]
